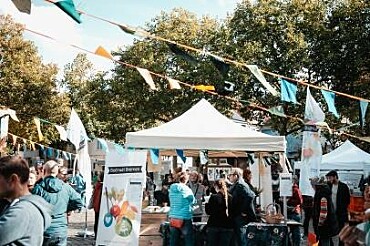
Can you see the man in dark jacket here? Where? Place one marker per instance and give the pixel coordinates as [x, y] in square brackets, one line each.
[341, 198]
[25, 219]
[242, 205]
[64, 199]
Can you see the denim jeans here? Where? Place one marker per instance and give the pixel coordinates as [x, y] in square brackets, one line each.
[324, 242]
[56, 240]
[219, 236]
[186, 231]
[295, 230]
[241, 235]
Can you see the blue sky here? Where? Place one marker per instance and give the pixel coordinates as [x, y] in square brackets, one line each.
[48, 19]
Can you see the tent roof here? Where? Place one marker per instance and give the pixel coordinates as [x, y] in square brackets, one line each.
[203, 127]
[347, 156]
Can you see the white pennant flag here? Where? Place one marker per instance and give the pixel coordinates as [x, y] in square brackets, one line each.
[256, 72]
[62, 132]
[147, 77]
[76, 132]
[174, 84]
[312, 111]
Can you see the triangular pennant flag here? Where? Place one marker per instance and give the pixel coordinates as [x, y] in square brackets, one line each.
[127, 29]
[68, 7]
[10, 112]
[38, 126]
[23, 6]
[220, 64]
[330, 101]
[288, 91]
[180, 153]
[62, 132]
[228, 86]
[204, 87]
[33, 147]
[363, 109]
[183, 54]
[256, 72]
[49, 152]
[57, 153]
[4, 126]
[278, 111]
[203, 156]
[119, 148]
[76, 132]
[174, 84]
[65, 156]
[103, 52]
[312, 111]
[154, 156]
[14, 139]
[147, 77]
[103, 144]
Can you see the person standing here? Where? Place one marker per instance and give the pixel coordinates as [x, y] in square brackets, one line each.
[242, 205]
[181, 210]
[63, 198]
[324, 220]
[96, 199]
[24, 220]
[220, 225]
[199, 192]
[307, 209]
[340, 195]
[294, 211]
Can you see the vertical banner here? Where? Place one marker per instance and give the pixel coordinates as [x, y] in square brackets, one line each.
[120, 209]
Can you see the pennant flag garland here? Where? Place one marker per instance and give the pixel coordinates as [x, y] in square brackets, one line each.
[147, 77]
[68, 7]
[137, 31]
[278, 111]
[62, 132]
[220, 64]
[174, 84]
[363, 109]
[23, 6]
[103, 144]
[330, 101]
[154, 155]
[204, 87]
[288, 91]
[183, 54]
[119, 148]
[38, 126]
[256, 72]
[313, 112]
[103, 52]
[180, 153]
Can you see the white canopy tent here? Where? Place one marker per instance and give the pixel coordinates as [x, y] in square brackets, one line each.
[203, 127]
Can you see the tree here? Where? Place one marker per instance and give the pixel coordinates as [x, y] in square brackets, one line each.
[27, 85]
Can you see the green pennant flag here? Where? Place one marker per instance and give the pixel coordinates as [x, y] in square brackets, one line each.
[278, 111]
[181, 53]
[68, 7]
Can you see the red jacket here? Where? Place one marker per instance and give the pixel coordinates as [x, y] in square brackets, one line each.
[96, 196]
[296, 199]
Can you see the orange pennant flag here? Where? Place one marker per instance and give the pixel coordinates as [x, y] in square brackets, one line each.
[103, 52]
[204, 87]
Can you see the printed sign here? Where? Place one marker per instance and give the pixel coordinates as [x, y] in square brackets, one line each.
[286, 184]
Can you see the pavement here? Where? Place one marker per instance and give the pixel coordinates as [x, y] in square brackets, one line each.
[76, 229]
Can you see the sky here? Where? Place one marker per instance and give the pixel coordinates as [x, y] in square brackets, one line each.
[49, 19]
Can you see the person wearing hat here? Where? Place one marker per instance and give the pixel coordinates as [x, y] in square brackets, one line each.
[340, 195]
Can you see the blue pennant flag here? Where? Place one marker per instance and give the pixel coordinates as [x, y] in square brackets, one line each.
[363, 108]
[180, 153]
[103, 144]
[330, 101]
[119, 149]
[288, 91]
[154, 155]
[49, 152]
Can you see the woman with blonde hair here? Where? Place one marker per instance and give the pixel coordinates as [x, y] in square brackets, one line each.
[181, 210]
[220, 225]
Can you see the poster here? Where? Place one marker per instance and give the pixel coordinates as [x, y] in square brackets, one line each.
[286, 184]
[120, 208]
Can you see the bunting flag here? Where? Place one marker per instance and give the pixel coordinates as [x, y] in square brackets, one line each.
[137, 31]
[62, 132]
[127, 29]
[33, 146]
[288, 91]
[174, 84]
[363, 109]
[228, 86]
[103, 52]
[65, 155]
[23, 6]
[68, 7]
[119, 148]
[204, 87]
[49, 152]
[183, 54]
[258, 74]
[220, 64]
[38, 126]
[180, 153]
[278, 111]
[4, 124]
[313, 112]
[330, 101]
[57, 153]
[203, 156]
[14, 140]
[147, 77]
[154, 156]
[76, 132]
[103, 144]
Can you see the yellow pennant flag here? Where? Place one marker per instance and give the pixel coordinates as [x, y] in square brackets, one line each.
[204, 87]
[38, 125]
[174, 83]
[103, 52]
